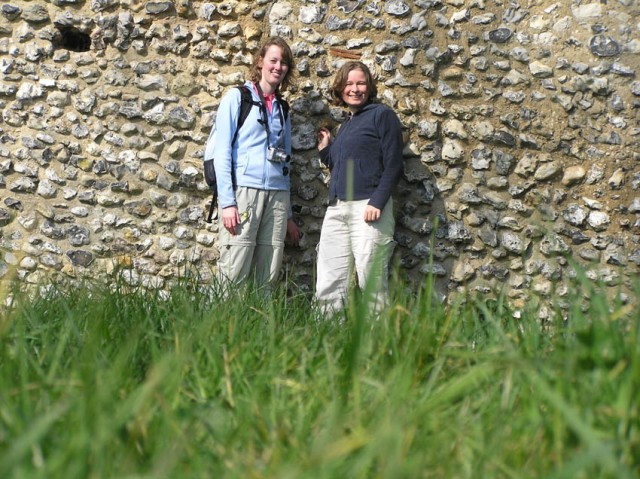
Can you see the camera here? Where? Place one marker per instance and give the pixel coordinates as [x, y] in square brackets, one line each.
[277, 155]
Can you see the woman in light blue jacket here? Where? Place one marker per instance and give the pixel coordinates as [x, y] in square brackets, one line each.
[253, 173]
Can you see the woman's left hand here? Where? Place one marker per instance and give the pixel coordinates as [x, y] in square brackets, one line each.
[324, 138]
[293, 233]
[371, 213]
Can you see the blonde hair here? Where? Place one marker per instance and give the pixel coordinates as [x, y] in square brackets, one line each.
[340, 80]
[287, 57]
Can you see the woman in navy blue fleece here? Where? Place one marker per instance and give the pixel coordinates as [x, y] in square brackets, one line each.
[365, 160]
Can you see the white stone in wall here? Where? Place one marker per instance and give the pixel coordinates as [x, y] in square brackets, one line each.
[312, 14]
[483, 19]
[463, 271]
[408, 59]
[598, 220]
[418, 21]
[540, 70]
[482, 130]
[454, 128]
[29, 91]
[460, 16]
[280, 12]
[28, 263]
[545, 39]
[539, 22]
[494, 199]
[547, 171]
[47, 189]
[595, 174]
[452, 150]
[166, 243]
[230, 79]
[587, 12]
[564, 25]
[617, 179]
[575, 214]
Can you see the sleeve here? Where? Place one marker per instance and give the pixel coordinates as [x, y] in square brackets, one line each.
[325, 157]
[390, 132]
[222, 151]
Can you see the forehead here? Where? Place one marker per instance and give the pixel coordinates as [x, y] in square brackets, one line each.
[273, 51]
[356, 75]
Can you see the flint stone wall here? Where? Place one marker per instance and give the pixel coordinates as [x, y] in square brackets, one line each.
[521, 126]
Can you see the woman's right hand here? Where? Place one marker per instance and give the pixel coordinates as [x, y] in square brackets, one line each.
[324, 138]
[230, 219]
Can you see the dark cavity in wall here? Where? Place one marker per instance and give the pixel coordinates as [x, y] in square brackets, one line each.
[73, 39]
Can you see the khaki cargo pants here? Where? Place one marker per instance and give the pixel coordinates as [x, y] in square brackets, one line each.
[256, 251]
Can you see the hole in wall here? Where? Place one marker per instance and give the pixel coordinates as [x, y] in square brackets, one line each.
[73, 40]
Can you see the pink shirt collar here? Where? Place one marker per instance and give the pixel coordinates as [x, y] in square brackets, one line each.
[268, 99]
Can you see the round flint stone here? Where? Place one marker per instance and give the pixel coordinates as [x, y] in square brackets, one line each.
[14, 204]
[5, 217]
[504, 137]
[500, 35]
[80, 258]
[334, 23]
[397, 8]
[36, 14]
[156, 8]
[11, 12]
[78, 235]
[604, 46]
[348, 6]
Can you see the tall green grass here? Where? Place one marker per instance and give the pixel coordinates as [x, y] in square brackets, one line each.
[102, 382]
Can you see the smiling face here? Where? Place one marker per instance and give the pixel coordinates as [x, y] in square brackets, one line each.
[355, 93]
[273, 69]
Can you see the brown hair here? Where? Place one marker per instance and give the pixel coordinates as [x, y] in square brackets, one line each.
[340, 80]
[287, 57]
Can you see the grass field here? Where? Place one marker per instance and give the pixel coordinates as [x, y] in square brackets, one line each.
[100, 382]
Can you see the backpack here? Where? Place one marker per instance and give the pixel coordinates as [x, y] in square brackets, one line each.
[246, 103]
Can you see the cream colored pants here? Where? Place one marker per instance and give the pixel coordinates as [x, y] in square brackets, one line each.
[256, 251]
[346, 240]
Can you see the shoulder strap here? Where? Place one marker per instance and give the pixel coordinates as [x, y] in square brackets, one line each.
[285, 107]
[246, 102]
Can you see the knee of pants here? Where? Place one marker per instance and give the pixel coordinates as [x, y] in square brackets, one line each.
[266, 262]
[375, 260]
[234, 263]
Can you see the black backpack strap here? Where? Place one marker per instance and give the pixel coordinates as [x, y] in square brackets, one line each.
[213, 207]
[285, 107]
[246, 102]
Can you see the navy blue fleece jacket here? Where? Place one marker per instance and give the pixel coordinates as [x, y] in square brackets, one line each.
[366, 152]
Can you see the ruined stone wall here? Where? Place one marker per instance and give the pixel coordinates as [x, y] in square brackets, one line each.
[521, 127]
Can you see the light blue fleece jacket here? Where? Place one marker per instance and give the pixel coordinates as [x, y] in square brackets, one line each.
[248, 156]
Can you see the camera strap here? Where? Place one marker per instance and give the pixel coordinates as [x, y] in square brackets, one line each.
[265, 115]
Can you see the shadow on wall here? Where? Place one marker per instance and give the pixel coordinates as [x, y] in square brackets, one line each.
[422, 229]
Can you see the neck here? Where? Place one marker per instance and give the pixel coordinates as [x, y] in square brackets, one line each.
[267, 88]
